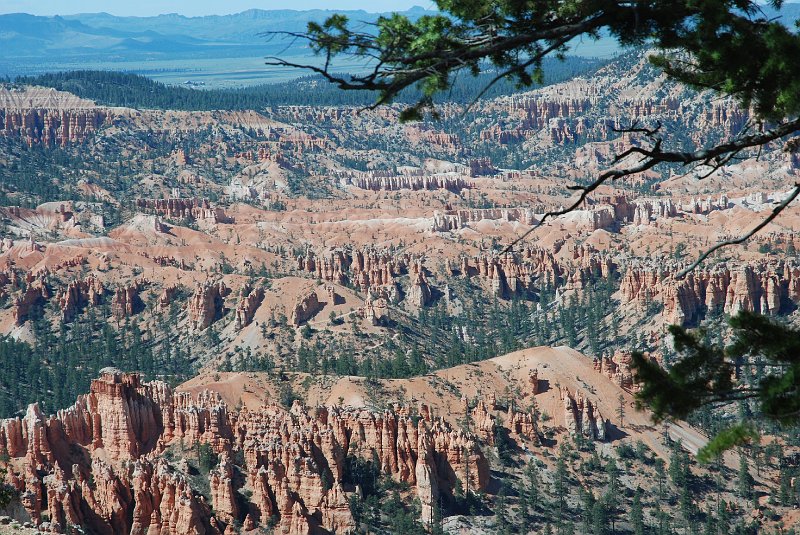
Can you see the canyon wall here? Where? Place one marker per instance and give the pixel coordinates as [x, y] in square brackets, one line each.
[767, 286]
[104, 463]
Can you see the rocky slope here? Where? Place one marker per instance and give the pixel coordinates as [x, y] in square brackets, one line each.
[127, 457]
[99, 464]
[49, 117]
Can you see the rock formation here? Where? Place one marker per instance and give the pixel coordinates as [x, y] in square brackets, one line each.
[766, 286]
[77, 295]
[166, 297]
[100, 464]
[126, 301]
[519, 275]
[49, 117]
[367, 268]
[618, 369]
[375, 182]
[207, 304]
[35, 294]
[458, 219]
[305, 307]
[247, 306]
[419, 291]
[184, 209]
[582, 417]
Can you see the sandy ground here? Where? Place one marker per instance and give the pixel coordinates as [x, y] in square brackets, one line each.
[507, 377]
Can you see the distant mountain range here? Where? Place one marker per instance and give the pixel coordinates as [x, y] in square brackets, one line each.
[175, 48]
[101, 34]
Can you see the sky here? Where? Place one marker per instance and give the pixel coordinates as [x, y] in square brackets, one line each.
[141, 8]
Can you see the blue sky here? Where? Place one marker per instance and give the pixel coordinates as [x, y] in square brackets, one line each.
[193, 7]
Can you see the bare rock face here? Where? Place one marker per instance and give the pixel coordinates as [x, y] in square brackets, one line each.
[126, 301]
[184, 209]
[425, 474]
[206, 305]
[78, 294]
[618, 369]
[306, 307]
[129, 421]
[246, 309]
[457, 219]
[49, 117]
[35, 294]
[165, 503]
[379, 181]
[519, 274]
[368, 268]
[583, 417]
[99, 464]
[223, 496]
[765, 286]
[166, 297]
[419, 291]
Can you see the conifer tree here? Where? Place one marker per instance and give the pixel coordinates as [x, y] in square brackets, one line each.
[531, 493]
[745, 482]
[705, 375]
[637, 513]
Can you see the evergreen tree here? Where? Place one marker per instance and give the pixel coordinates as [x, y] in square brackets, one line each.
[600, 518]
[734, 49]
[706, 375]
[502, 520]
[560, 484]
[637, 513]
[587, 515]
[745, 482]
[611, 500]
[530, 491]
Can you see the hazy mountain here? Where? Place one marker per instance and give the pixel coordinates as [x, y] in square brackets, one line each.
[102, 35]
[219, 50]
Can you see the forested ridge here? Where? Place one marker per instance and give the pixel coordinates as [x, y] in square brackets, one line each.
[136, 91]
[59, 365]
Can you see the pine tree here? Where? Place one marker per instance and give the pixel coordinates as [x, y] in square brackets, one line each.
[502, 521]
[588, 510]
[600, 518]
[661, 479]
[637, 513]
[745, 483]
[612, 497]
[560, 484]
[531, 493]
[705, 375]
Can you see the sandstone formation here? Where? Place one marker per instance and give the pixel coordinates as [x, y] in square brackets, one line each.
[100, 464]
[766, 287]
[458, 219]
[126, 301]
[305, 307]
[184, 209]
[375, 182]
[583, 417]
[35, 294]
[419, 291]
[523, 273]
[166, 297]
[77, 295]
[207, 304]
[247, 306]
[49, 117]
[485, 415]
[367, 268]
[617, 368]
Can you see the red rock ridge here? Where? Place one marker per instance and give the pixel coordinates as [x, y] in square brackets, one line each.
[766, 286]
[100, 464]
